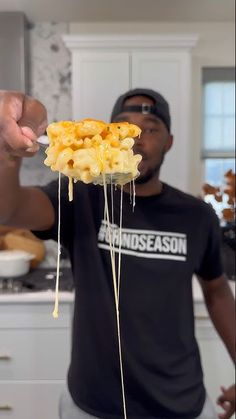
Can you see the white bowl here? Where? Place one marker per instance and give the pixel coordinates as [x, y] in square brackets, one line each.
[14, 263]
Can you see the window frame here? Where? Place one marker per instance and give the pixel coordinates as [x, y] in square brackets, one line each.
[215, 74]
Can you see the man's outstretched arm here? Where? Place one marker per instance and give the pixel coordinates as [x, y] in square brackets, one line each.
[22, 120]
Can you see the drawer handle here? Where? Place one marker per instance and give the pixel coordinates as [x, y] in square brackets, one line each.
[5, 407]
[5, 357]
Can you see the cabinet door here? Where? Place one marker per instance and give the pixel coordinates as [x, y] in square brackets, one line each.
[168, 72]
[30, 400]
[27, 354]
[98, 79]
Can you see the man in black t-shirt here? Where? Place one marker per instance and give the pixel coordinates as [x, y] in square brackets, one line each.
[169, 237]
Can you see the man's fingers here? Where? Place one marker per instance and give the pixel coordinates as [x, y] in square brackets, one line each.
[12, 137]
[221, 399]
[229, 410]
[24, 120]
[34, 116]
[32, 128]
[33, 149]
[29, 133]
[226, 406]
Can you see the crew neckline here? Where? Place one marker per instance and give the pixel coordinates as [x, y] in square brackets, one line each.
[142, 198]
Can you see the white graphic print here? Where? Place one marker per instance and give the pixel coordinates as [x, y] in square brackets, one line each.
[145, 243]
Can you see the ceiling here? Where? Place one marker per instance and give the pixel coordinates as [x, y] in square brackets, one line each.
[123, 10]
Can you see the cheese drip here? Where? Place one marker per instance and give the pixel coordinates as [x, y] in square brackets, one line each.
[56, 305]
[116, 294]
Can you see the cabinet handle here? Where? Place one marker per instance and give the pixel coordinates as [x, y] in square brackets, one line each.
[5, 357]
[5, 407]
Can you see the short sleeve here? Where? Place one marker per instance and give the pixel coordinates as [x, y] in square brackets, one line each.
[210, 266]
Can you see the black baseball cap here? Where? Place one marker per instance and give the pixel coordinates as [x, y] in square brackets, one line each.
[160, 107]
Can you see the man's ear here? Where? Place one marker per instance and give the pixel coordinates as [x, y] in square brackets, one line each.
[169, 142]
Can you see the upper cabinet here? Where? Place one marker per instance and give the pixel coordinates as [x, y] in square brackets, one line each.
[98, 79]
[105, 67]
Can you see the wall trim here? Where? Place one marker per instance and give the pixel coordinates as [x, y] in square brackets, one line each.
[127, 41]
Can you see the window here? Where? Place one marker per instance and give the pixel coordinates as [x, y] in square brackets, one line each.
[218, 123]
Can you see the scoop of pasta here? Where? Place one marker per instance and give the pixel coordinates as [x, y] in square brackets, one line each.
[88, 150]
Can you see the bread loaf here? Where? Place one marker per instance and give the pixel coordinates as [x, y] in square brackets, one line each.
[20, 239]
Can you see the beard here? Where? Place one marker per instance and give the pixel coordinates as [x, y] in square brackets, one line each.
[151, 173]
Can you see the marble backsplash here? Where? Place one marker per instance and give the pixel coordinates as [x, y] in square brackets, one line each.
[50, 82]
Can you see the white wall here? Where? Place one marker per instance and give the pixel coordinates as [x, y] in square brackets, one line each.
[215, 48]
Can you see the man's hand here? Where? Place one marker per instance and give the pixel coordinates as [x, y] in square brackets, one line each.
[227, 401]
[22, 120]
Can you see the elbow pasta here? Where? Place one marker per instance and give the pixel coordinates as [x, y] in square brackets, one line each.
[87, 150]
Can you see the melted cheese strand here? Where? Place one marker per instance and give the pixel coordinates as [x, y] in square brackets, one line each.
[110, 239]
[112, 203]
[70, 190]
[120, 238]
[55, 311]
[116, 298]
[134, 194]
[112, 219]
[130, 192]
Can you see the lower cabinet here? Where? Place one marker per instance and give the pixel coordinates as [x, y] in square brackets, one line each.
[30, 400]
[34, 359]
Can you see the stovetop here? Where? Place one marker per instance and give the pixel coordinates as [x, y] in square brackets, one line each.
[38, 280]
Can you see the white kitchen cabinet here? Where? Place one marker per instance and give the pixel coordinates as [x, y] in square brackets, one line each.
[105, 67]
[34, 354]
[100, 78]
[168, 72]
[30, 400]
[34, 357]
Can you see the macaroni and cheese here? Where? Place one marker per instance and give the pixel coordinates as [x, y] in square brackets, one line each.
[87, 150]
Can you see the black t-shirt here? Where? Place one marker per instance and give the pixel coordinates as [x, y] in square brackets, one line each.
[166, 239]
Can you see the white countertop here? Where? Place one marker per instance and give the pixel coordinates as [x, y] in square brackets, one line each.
[36, 297]
[65, 296]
